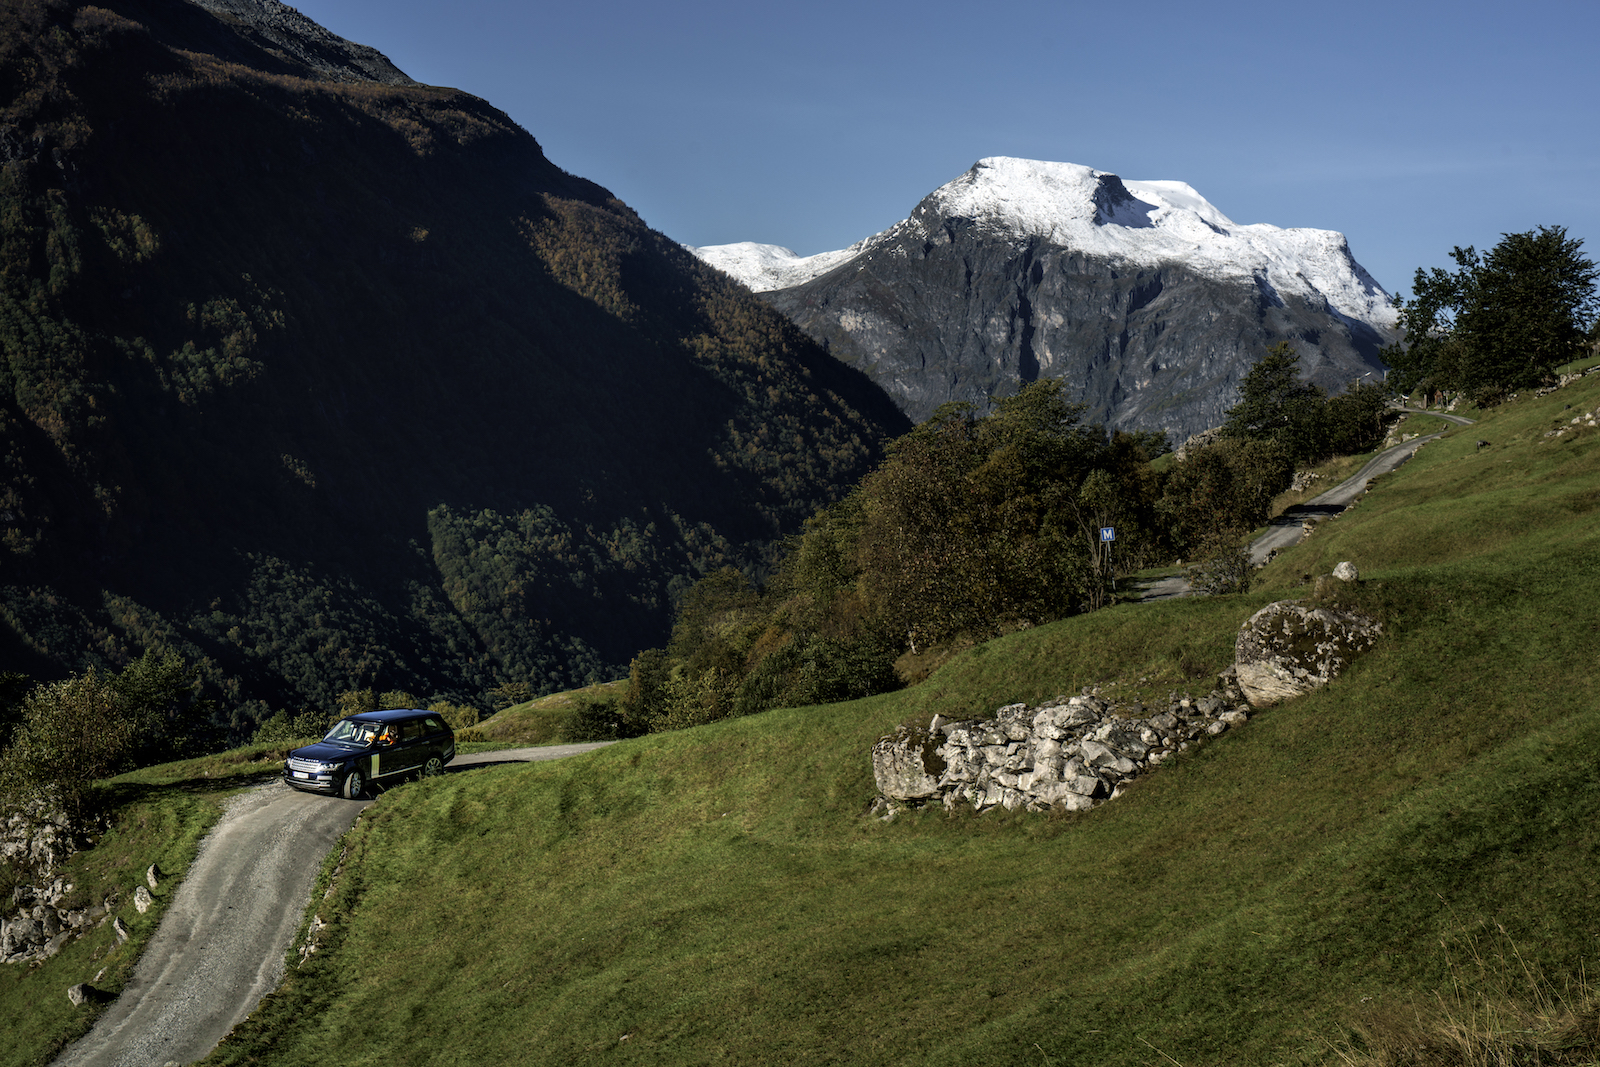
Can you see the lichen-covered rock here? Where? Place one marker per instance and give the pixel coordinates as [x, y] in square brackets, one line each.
[1288, 649]
[906, 764]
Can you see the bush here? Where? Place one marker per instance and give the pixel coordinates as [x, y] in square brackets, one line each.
[283, 728]
[72, 733]
[594, 720]
[459, 716]
[1224, 565]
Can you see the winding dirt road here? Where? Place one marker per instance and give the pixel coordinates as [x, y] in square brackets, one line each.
[1286, 529]
[220, 947]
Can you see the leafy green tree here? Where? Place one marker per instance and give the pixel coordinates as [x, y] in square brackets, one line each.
[1219, 493]
[282, 728]
[596, 720]
[354, 702]
[73, 732]
[459, 716]
[508, 694]
[1358, 418]
[971, 527]
[160, 693]
[1500, 322]
[713, 628]
[968, 526]
[648, 678]
[1275, 405]
[1214, 498]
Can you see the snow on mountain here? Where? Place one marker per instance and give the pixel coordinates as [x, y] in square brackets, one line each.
[1145, 223]
[767, 267]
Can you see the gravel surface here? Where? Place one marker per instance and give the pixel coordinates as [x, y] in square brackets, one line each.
[1285, 530]
[221, 944]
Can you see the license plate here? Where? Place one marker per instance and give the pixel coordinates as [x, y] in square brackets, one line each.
[302, 774]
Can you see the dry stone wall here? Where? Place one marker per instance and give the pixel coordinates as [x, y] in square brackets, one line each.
[1072, 753]
[1069, 753]
[37, 920]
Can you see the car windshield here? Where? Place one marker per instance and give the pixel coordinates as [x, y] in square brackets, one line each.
[351, 732]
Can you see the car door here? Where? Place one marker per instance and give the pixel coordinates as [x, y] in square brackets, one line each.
[409, 752]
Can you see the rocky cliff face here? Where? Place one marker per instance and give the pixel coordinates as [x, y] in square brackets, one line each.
[277, 27]
[1143, 297]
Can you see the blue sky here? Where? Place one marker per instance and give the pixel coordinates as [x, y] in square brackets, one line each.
[1410, 127]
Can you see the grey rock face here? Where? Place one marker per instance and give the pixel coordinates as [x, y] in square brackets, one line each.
[277, 26]
[941, 309]
[1288, 649]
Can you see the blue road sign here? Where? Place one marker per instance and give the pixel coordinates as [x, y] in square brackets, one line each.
[1108, 533]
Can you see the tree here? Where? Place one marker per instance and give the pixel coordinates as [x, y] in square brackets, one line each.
[1358, 419]
[72, 732]
[1221, 492]
[1275, 405]
[160, 694]
[1500, 322]
[1214, 498]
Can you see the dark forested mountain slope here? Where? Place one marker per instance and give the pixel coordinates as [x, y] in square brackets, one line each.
[333, 381]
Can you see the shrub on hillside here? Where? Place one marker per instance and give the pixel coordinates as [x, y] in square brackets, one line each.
[1223, 566]
[459, 716]
[97, 724]
[596, 720]
[283, 728]
[72, 732]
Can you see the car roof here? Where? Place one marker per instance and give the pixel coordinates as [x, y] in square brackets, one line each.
[389, 715]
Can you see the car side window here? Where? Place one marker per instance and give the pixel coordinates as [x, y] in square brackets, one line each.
[411, 731]
[434, 725]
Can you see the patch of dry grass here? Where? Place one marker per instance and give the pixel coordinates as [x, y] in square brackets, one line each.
[1500, 1010]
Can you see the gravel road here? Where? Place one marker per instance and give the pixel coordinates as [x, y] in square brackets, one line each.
[221, 945]
[1285, 530]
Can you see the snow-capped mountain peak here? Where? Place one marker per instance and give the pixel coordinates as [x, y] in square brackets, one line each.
[1096, 213]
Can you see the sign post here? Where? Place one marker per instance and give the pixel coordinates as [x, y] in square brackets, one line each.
[1108, 534]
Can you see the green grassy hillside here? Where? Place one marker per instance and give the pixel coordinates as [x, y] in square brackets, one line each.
[1417, 838]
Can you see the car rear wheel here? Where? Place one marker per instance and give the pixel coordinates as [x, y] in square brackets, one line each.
[353, 784]
[433, 768]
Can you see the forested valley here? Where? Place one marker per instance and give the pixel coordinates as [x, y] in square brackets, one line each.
[978, 525]
[329, 391]
[327, 386]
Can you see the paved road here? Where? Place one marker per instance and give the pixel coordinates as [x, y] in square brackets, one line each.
[1286, 529]
[221, 944]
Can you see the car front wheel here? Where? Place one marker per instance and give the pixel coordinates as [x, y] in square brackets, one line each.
[353, 784]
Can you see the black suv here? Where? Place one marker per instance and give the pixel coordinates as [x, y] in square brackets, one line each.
[373, 748]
